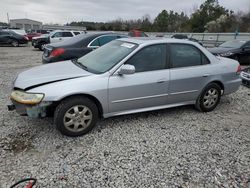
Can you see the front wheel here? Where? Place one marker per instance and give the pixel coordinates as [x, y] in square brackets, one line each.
[76, 116]
[41, 47]
[209, 98]
[14, 43]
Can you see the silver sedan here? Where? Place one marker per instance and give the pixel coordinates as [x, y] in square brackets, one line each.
[125, 76]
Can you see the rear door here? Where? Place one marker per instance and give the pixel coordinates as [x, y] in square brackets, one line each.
[67, 35]
[189, 72]
[147, 87]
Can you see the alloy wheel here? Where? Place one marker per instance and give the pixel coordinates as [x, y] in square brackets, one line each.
[77, 118]
[210, 98]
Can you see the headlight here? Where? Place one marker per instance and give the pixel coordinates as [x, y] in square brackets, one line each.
[26, 98]
[226, 54]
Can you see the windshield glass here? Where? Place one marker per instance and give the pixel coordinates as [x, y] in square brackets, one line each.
[107, 56]
[233, 44]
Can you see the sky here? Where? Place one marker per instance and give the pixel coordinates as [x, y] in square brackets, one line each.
[66, 11]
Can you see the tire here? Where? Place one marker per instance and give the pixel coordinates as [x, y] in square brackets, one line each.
[209, 98]
[41, 47]
[76, 116]
[14, 43]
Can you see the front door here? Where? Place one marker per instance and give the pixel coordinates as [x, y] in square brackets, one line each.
[147, 87]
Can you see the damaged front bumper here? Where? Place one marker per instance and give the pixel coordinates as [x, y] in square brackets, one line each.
[34, 111]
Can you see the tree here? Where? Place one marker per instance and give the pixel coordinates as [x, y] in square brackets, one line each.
[210, 10]
[170, 21]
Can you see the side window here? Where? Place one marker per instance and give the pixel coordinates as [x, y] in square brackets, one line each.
[76, 33]
[4, 33]
[95, 43]
[67, 34]
[205, 60]
[57, 35]
[106, 39]
[149, 58]
[184, 55]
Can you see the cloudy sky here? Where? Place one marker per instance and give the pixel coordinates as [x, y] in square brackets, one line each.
[63, 11]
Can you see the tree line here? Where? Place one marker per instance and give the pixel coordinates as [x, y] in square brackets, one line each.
[209, 17]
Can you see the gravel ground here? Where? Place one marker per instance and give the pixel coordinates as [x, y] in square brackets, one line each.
[177, 147]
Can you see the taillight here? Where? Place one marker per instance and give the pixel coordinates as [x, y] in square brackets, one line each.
[238, 69]
[57, 52]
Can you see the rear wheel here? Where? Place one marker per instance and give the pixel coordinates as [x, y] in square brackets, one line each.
[209, 98]
[14, 43]
[76, 116]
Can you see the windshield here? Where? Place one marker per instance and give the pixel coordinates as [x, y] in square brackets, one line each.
[107, 56]
[233, 44]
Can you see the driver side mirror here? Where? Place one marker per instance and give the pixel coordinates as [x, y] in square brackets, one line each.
[127, 69]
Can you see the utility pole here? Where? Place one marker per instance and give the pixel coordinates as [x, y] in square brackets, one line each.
[8, 18]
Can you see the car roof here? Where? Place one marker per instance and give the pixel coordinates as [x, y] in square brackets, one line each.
[155, 40]
[82, 39]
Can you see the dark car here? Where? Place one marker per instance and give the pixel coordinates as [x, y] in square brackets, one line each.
[41, 41]
[179, 36]
[77, 46]
[236, 49]
[12, 38]
[185, 37]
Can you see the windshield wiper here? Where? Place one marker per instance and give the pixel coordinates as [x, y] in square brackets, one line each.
[79, 64]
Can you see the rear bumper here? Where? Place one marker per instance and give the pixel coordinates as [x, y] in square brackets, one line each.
[232, 86]
[34, 111]
[46, 60]
[245, 78]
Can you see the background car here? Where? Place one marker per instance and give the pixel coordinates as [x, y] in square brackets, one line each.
[245, 76]
[122, 77]
[12, 38]
[53, 37]
[185, 37]
[31, 35]
[137, 33]
[235, 49]
[77, 46]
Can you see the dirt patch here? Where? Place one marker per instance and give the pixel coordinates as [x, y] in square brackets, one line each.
[17, 143]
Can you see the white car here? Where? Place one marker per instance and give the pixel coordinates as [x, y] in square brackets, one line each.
[53, 37]
[58, 36]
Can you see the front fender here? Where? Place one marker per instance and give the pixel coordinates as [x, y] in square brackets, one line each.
[96, 86]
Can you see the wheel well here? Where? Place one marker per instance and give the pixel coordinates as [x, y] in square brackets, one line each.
[92, 98]
[220, 84]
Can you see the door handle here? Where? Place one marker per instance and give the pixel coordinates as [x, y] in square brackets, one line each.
[206, 75]
[161, 81]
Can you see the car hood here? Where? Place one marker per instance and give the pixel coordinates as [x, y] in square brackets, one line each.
[41, 36]
[49, 73]
[220, 50]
